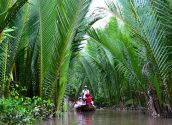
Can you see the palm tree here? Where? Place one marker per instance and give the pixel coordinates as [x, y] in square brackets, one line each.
[152, 33]
[8, 11]
[138, 42]
[40, 50]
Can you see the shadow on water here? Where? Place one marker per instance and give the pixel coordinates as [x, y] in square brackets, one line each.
[106, 117]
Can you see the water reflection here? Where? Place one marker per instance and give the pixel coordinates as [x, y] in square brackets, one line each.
[106, 117]
[85, 118]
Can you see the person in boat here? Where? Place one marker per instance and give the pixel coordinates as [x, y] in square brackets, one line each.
[84, 92]
[88, 99]
[79, 102]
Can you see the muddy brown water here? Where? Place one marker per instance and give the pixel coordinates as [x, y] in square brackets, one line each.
[106, 117]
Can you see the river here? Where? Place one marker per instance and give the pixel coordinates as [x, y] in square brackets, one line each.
[107, 117]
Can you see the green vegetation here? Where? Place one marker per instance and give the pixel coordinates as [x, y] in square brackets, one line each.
[129, 57]
[24, 110]
[42, 57]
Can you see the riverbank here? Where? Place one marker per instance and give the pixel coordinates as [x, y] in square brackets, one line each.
[24, 110]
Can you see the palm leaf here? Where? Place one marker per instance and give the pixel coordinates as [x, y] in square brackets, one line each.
[142, 20]
[70, 15]
[47, 32]
[7, 16]
[90, 73]
[3, 65]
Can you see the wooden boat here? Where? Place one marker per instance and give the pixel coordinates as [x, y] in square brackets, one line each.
[86, 108]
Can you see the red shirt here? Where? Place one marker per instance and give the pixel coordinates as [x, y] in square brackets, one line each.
[88, 100]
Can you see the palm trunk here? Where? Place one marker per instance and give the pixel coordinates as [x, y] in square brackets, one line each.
[15, 72]
[153, 103]
[8, 87]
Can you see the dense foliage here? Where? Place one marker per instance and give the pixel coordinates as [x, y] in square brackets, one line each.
[132, 53]
[24, 110]
[35, 45]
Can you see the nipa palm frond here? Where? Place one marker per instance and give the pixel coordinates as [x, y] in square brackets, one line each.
[70, 15]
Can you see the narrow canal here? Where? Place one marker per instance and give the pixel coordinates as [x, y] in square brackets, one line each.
[107, 117]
